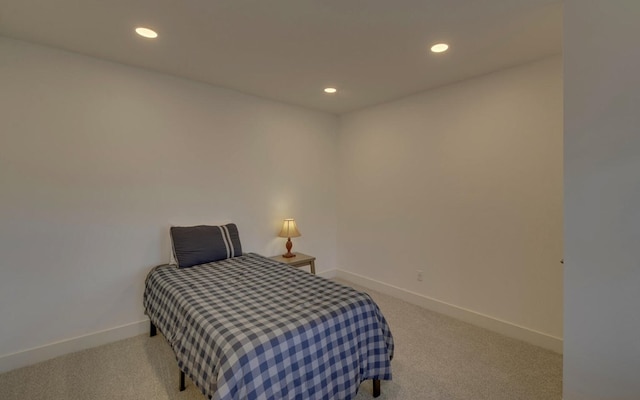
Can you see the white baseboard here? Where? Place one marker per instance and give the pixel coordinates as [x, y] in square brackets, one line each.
[37, 354]
[485, 321]
[332, 273]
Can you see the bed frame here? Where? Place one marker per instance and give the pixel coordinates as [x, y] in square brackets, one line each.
[153, 332]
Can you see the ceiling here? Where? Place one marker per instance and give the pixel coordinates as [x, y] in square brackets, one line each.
[372, 51]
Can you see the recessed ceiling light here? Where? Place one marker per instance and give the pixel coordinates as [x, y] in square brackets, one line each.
[330, 90]
[146, 32]
[440, 47]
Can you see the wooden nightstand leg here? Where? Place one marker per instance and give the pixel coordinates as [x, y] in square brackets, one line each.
[313, 267]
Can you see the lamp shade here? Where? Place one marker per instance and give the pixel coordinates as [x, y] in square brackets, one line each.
[289, 229]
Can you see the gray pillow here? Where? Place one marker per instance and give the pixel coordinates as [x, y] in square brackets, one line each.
[194, 245]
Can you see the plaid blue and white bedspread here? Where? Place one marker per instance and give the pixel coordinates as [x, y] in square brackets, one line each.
[252, 328]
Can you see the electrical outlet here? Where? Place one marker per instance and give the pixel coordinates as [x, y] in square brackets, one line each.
[419, 275]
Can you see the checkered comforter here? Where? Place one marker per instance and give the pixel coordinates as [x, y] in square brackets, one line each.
[252, 328]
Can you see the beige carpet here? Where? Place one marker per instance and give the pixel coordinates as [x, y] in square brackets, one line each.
[437, 357]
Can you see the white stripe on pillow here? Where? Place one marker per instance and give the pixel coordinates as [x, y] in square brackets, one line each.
[225, 238]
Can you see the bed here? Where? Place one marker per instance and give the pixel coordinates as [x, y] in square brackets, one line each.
[248, 327]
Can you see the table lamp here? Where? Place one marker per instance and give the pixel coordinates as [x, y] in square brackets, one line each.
[289, 230]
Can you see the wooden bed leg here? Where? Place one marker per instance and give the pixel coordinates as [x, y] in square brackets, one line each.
[182, 386]
[376, 387]
[152, 329]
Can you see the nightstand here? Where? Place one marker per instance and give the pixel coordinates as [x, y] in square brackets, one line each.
[300, 260]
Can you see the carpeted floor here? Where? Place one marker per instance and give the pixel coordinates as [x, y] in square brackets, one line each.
[436, 357]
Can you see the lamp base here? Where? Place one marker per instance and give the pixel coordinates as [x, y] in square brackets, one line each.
[289, 245]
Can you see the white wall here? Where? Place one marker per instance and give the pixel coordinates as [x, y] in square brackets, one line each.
[464, 183]
[97, 160]
[602, 200]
